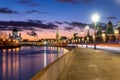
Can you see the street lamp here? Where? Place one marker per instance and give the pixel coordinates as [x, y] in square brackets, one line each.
[95, 18]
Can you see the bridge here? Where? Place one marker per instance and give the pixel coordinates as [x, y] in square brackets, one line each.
[30, 43]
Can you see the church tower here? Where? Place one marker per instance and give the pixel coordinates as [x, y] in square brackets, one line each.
[110, 30]
[14, 33]
[57, 36]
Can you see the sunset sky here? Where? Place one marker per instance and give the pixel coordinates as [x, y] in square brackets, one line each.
[44, 16]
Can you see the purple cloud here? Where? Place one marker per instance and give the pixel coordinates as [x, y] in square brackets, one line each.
[28, 3]
[74, 1]
[35, 11]
[7, 11]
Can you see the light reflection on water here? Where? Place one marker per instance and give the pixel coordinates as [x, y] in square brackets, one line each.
[22, 63]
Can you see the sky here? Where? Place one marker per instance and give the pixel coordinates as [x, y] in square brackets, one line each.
[45, 16]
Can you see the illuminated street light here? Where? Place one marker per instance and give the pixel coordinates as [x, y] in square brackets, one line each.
[95, 18]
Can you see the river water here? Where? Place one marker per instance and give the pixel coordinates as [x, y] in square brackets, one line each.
[23, 63]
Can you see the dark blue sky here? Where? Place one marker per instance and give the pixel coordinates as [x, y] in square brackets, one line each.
[59, 10]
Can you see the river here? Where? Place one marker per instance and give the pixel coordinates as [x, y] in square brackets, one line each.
[24, 62]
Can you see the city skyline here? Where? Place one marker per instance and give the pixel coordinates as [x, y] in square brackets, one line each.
[44, 16]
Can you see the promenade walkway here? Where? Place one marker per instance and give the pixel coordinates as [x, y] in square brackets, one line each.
[90, 64]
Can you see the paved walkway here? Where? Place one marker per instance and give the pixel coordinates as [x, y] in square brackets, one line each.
[90, 64]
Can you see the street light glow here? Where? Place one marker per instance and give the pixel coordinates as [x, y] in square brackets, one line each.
[95, 17]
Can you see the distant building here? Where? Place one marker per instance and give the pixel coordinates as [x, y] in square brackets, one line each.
[119, 27]
[110, 32]
[63, 38]
[99, 34]
[75, 36]
[15, 35]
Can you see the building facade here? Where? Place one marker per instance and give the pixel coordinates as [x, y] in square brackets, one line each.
[15, 35]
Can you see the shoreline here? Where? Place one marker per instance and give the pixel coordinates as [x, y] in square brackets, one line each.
[9, 47]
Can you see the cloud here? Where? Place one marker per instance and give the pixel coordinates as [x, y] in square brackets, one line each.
[24, 1]
[73, 25]
[32, 33]
[111, 17]
[34, 4]
[35, 21]
[68, 28]
[117, 1]
[58, 22]
[25, 25]
[28, 3]
[78, 24]
[68, 1]
[66, 22]
[35, 11]
[74, 1]
[7, 11]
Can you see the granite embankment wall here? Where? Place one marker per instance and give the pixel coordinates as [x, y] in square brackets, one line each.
[53, 70]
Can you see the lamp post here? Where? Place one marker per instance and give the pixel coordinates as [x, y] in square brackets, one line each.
[95, 18]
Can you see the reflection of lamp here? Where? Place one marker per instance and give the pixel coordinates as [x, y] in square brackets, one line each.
[117, 35]
[104, 37]
[45, 42]
[95, 18]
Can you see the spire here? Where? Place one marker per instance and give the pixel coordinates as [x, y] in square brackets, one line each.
[57, 35]
[110, 28]
[57, 32]
[109, 24]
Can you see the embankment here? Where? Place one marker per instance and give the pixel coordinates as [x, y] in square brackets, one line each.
[53, 70]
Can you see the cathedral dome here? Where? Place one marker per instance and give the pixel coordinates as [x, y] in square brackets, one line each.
[14, 30]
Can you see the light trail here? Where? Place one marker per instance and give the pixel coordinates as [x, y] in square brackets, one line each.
[108, 48]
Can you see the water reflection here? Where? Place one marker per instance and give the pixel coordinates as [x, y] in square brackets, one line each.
[45, 63]
[22, 63]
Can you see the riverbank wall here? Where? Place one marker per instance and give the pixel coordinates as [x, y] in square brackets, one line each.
[53, 70]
